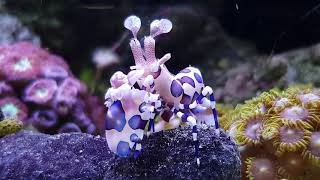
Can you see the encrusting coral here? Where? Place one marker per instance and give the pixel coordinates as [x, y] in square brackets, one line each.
[8, 125]
[38, 89]
[278, 133]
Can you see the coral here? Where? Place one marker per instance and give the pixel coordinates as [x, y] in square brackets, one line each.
[95, 109]
[55, 68]
[21, 68]
[312, 152]
[13, 108]
[5, 89]
[284, 125]
[260, 168]
[39, 89]
[66, 95]
[69, 127]
[9, 126]
[45, 120]
[223, 110]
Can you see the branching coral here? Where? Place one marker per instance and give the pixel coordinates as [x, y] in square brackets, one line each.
[284, 125]
[39, 89]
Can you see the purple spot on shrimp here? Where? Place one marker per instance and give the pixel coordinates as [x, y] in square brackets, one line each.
[176, 88]
[123, 149]
[156, 74]
[195, 96]
[197, 110]
[186, 70]
[141, 107]
[152, 85]
[185, 99]
[188, 80]
[115, 118]
[134, 138]
[135, 122]
[198, 77]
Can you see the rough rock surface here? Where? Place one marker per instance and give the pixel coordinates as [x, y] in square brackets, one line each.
[166, 155]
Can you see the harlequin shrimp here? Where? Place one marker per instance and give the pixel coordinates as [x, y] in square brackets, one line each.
[129, 111]
[183, 95]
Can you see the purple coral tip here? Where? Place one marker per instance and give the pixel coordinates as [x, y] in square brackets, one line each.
[19, 67]
[55, 72]
[21, 61]
[45, 120]
[55, 67]
[69, 127]
[5, 89]
[66, 95]
[13, 108]
[81, 119]
[91, 129]
[40, 91]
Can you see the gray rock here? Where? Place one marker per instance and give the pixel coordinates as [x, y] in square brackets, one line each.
[170, 154]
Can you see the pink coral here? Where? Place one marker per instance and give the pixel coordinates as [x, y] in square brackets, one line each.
[40, 91]
[5, 89]
[44, 81]
[13, 108]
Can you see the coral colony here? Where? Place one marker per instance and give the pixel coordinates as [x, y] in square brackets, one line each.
[149, 90]
[38, 88]
[9, 125]
[278, 134]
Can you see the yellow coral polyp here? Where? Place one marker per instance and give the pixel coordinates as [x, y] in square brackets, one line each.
[250, 130]
[223, 110]
[293, 166]
[9, 126]
[306, 96]
[312, 153]
[293, 91]
[296, 116]
[283, 124]
[291, 139]
[260, 168]
[268, 98]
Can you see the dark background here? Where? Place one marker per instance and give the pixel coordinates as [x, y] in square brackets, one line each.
[75, 28]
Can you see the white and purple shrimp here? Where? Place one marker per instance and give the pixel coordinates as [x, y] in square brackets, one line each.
[183, 95]
[129, 111]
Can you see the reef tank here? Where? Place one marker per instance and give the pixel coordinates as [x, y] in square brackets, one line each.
[120, 89]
